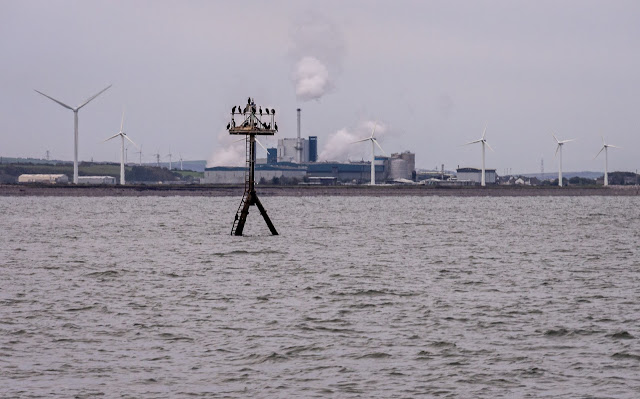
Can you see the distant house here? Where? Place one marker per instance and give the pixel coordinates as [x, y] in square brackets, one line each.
[49, 179]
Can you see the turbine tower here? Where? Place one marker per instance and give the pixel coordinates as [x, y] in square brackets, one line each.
[605, 147]
[139, 152]
[75, 126]
[484, 142]
[374, 143]
[169, 155]
[559, 148]
[180, 161]
[123, 136]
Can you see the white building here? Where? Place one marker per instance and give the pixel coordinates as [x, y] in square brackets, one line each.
[475, 175]
[51, 179]
[96, 180]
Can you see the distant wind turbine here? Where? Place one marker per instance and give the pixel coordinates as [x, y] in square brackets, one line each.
[559, 148]
[374, 143]
[75, 126]
[180, 161]
[484, 142]
[123, 136]
[139, 152]
[169, 155]
[605, 147]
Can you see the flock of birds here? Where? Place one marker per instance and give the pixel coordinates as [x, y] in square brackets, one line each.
[251, 109]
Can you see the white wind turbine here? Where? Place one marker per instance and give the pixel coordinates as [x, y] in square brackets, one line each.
[180, 161]
[75, 127]
[605, 147]
[123, 136]
[559, 148]
[484, 142]
[169, 155]
[374, 143]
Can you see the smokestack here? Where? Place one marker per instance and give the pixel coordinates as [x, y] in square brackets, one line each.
[299, 123]
[298, 143]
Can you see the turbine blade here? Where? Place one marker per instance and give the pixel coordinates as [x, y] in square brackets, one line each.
[603, 143]
[112, 137]
[614, 146]
[376, 143]
[122, 122]
[489, 146]
[473, 142]
[557, 148]
[485, 129]
[375, 124]
[603, 147]
[360, 141]
[554, 136]
[566, 141]
[53, 99]
[265, 148]
[92, 97]
[127, 137]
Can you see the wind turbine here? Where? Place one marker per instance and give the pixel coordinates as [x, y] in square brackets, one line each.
[484, 142]
[374, 143]
[75, 126]
[559, 148]
[605, 147]
[180, 161]
[169, 155]
[139, 152]
[123, 136]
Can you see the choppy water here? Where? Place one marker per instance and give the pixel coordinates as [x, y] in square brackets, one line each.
[358, 297]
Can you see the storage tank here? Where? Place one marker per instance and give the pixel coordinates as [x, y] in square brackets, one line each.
[399, 169]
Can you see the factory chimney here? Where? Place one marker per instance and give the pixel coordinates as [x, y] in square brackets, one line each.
[298, 142]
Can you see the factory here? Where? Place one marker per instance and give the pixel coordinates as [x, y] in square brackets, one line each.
[296, 159]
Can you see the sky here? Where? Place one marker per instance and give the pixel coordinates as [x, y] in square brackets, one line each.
[429, 74]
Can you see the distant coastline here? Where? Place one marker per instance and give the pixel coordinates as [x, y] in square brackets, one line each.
[17, 190]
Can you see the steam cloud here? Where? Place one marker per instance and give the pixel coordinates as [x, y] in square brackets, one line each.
[317, 53]
[340, 145]
[312, 79]
[229, 153]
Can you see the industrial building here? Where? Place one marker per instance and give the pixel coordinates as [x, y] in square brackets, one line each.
[354, 172]
[49, 179]
[287, 150]
[263, 172]
[96, 180]
[475, 175]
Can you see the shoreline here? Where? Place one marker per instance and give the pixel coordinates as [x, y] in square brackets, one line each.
[26, 190]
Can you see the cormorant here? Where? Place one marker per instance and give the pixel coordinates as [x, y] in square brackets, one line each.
[260, 110]
[253, 108]
[264, 125]
[273, 111]
[275, 125]
[267, 110]
[239, 109]
[233, 110]
[233, 122]
[249, 100]
[228, 124]
[269, 126]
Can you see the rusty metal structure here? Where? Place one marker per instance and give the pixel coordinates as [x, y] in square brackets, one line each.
[252, 125]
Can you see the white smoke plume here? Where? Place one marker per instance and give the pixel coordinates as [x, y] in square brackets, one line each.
[317, 53]
[340, 145]
[230, 152]
[312, 79]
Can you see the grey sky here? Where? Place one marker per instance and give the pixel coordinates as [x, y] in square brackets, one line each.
[432, 72]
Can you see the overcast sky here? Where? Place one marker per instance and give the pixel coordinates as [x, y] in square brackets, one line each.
[431, 73]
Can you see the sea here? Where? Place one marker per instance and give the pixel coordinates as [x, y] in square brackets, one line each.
[358, 297]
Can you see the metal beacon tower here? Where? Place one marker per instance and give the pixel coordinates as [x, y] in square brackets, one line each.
[251, 126]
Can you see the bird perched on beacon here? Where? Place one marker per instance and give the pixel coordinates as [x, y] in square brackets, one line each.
[233, 110]
[275, 125]
[260, 110]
